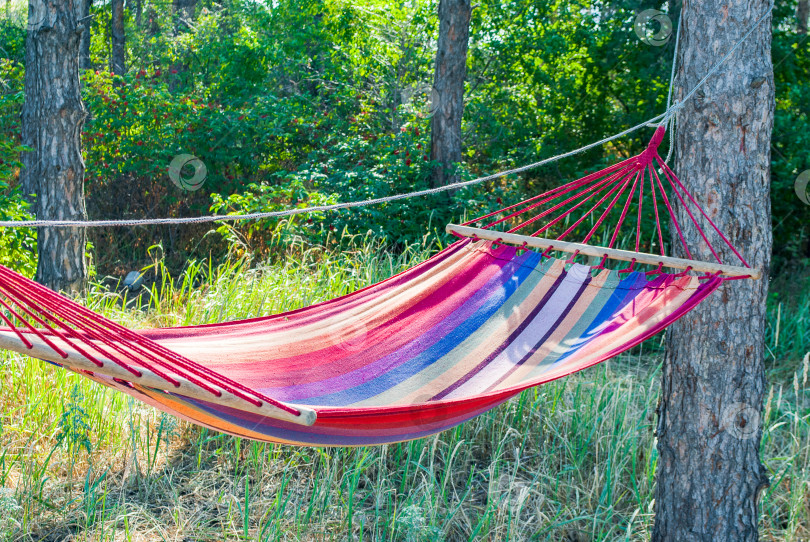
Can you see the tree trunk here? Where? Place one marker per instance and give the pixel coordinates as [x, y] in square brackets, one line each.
[154, 26]
[182, 14]
[802, 14]
[118, 40]
[447, 100]
[84, 46]
[53, 115]
[138, 14]
[709, 425]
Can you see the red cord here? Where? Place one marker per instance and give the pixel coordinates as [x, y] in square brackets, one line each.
[657, 220]
[706, 216]
[593, 189]
[621, 183]
[608, 210]
[162, 356]
[672, 214]
[640, 205]
[630, 197]
[684, 272]
[692, 217]
[657, 271]
[628, 269]
[573, 184]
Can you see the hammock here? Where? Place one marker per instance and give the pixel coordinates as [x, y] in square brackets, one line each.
[415, 354]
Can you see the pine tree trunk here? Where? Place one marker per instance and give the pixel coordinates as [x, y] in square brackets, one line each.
[802, 14]
[448, 87]
[709, 426]
[53, 115]
[84, 46]
[118, 39]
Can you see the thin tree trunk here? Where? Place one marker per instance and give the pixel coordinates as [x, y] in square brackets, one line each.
[138, 14]
[84, 46]
[53, 115]
[29, 181]
[118, 39]
[802, 14]
[447, 101]
[709, 425]
[182, 14]
[154, 26]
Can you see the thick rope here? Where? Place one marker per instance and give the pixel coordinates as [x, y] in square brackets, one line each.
[320, 208]
[671, 86]
[672, 110]
[663, 118]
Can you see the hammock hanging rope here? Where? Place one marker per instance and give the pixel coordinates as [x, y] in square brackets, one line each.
[417, 353]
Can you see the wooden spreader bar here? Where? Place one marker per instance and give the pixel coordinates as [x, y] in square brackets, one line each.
[599, 252]
[77, 362]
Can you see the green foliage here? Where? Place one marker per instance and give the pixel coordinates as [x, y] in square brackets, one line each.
[309, 103]
[74, 429]
[17, 245]
[790, 145]
[9, 509]
[12, 40]
[517, 472]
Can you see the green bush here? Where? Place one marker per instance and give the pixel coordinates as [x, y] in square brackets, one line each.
[17, 245]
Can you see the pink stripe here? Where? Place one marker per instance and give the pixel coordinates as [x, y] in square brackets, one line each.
[311, 313]
[317, 363]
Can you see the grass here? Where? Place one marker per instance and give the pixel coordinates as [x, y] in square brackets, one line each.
[573, 460]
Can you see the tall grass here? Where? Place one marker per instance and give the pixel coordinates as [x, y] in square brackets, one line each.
[572, 460]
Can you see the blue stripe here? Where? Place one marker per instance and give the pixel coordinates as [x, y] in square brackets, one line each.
[497, 292]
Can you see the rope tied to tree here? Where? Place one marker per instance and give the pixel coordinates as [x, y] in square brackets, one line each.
[662, 120]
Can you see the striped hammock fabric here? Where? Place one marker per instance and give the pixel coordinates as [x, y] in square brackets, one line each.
[415, 354]
[424, 350]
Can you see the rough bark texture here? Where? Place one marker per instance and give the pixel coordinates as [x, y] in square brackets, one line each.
[447, 101]
[53, 115]
[84, 45]
[709, 426]
[118, 40]
[802, 14]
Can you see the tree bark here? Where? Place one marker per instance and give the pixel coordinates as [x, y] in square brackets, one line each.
[709, 425]
[118, 39]
[84, 46]
[53, 116]
[802, 14]
[447, 100]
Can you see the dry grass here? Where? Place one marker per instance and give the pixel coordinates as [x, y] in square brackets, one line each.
[573, 460]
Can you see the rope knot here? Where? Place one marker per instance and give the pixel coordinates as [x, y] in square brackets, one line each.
[649, 154]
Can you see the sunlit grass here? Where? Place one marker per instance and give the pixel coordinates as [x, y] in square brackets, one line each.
[571, 460]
